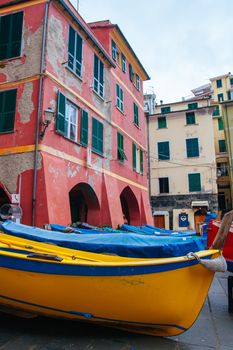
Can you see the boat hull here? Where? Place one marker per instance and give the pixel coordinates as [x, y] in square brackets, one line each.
[161, 297]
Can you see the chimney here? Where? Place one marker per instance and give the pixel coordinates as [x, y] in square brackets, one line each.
[75, 4]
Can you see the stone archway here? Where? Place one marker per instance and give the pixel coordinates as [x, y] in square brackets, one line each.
[84, 204]
[130, 207]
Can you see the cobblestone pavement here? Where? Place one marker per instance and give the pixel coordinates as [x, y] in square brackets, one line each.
[212, 330]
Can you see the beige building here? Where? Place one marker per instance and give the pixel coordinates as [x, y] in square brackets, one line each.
[182, 163]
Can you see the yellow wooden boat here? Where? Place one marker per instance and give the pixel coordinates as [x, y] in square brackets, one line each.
[161, 296]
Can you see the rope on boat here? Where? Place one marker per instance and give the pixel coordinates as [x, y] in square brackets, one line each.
[217, 265]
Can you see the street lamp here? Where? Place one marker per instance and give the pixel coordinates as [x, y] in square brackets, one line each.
[48, 117]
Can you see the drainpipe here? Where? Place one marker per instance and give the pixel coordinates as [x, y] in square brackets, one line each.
[39, 111]
[148, 154]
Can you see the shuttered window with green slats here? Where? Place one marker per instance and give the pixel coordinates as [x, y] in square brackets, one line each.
[84, 128]
[11, 27]
[220, 124]
[7, 110]
[163, 150]
[141, 161]
[121, 156]
[97, 136]
[162, 122]
[192, 147]
[67, 117]
[190, 118]
[119, 98]
[134, 156]
[222, 146]
[194, 181]
[136, 120]
[75, 48]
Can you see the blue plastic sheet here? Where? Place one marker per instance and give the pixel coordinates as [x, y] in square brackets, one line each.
[122, 244]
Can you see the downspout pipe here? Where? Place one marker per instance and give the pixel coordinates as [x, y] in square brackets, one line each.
[148, 153]
[39, 112]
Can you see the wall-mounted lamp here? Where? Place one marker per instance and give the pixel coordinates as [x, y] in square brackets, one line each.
[48, 117]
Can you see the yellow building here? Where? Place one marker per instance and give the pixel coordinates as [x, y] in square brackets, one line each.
[182, 163]
[222, 92]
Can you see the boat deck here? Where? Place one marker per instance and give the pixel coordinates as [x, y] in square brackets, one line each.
[212, 330]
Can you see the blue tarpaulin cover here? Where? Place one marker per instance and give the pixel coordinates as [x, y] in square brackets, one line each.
[122, 244]
[147, 229]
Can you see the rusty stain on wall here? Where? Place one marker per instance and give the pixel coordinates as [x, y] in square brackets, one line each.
[26, 105]
[9, 174]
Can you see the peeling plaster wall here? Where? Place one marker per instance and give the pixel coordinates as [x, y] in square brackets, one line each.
[29, 64]
[11, 166]
[26, 105]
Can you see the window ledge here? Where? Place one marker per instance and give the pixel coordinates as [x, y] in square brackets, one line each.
[137, 126]
[191, 124]
[8, 60]
[68, 139]
[73, 72]
[162, 128]
[98, 95]
[122, 112]
[97, 153]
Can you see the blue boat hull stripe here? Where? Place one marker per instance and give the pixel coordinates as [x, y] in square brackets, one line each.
[55, 268]
[89, 315]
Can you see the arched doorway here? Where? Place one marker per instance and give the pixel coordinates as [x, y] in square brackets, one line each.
[130, 207]
[84, 204]
[4, 199]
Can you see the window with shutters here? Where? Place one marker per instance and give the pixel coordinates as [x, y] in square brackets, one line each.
[193, 105]
[216, 111]
[137, 157]
[162, 122]
[135, 120]
[84, 128]
[194, 181]
[219, 83]
[138, 83]
[7, 110]
[220, 124]
[163, 185]
[121, 156]
[97, 136]
[190, 118]
[222, 146]
[163, 150]
[131, 73]
[165, 110]
[192, 147]
[220, 97]
[123, 63]
[67, 118]
[98, 84]
[75, 48]
[119, 98]
[11, 27]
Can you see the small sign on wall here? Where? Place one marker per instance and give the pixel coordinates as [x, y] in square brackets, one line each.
[183, 220]
[15, 198]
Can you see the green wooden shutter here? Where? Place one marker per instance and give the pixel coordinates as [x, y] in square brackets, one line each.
[162, 122]
[84, 128]
[141, 161]
[130, 72]
[163, 150]
[7, 110]
[222, 146]
[135, 114]
[97, 136]
[165, 110]
[194, 182]
[61, 113]
[220, 124]
[192, 147]
[71, 48]
[134, 156]
[11, 35]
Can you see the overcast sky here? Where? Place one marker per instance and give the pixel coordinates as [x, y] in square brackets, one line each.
[181, 43]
